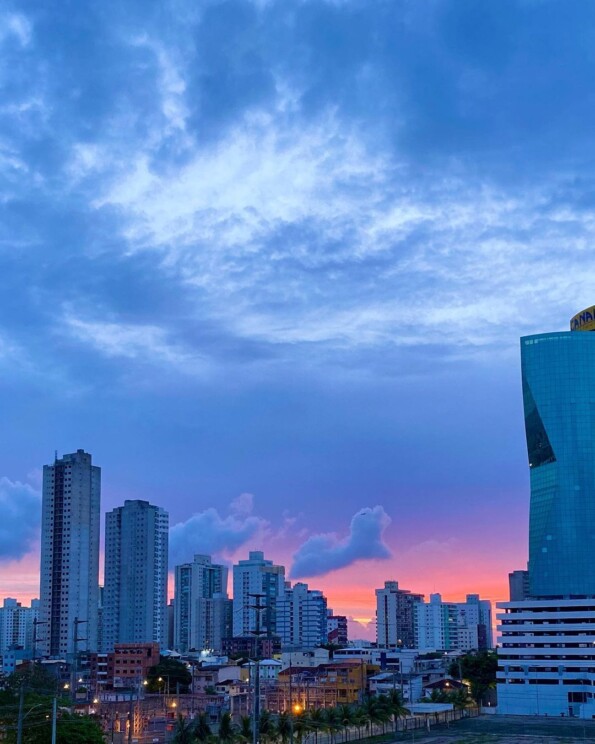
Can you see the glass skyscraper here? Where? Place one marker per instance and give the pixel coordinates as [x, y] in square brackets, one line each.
[558, 371]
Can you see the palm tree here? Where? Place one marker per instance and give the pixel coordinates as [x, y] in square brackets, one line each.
[184, 732]
[226, 732]
[202, 729]
[316, 722]
[301, 726]
[332, 721]
[360, 719]
[284, 726]
[374, 712]
[246, 728]
[346, 718]
[266, 726]
[395, 706]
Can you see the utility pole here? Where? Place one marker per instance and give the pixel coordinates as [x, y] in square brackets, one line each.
[54, 718]
[75, 644]
[20, 718]
[130, 717]
[257, 632]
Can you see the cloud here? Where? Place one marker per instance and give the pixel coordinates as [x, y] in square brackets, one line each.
[20, 518]
[17, 26]
[209, 532]
[242, 505]
[143, 342]
[321, 554]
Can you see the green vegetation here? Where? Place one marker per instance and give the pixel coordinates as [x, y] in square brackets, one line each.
[479, 669]
[39, 688]
[170, 675]
[335, 722]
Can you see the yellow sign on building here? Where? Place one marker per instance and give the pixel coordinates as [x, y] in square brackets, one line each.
[584, 321]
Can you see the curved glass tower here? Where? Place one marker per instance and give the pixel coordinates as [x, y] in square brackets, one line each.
[559, 399]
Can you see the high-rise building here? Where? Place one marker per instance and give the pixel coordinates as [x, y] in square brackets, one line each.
[453, 626]
[70, 555]
[135, 593]
[256, 575]
[547, 655]
[557, 373]
[395, 616]
[518, 585]
[301, 617]
[336, 628]
[202, 609]
[17, 624]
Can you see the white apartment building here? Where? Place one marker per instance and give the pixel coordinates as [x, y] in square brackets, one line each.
[395, 616]
[135, 591]
[301, 617]
[453, 626]
[202, 610]
[17, 624]
[70, 555]
[256, 575]
[546, 662]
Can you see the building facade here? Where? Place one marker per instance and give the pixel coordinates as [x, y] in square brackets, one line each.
[256, 576]
[547, 655]
[395, 616]
[546, 661]
[17, 625]
[70, 555]
[302, 617]
[135, 592]
[518, 585]
[454, 626]
[337, 629]
[557, 371]
[202, 609]
[129, 663]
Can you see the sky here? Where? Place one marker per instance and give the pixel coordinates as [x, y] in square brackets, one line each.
[269, 262]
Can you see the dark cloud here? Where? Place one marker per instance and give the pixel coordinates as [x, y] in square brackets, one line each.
[20, 517]
[321, 554]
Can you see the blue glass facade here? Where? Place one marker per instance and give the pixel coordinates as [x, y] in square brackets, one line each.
[559, 399]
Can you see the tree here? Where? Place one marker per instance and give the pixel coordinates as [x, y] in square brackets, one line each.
[346, 718]
[70, 728]
[284, 726]
[226, 732]
[35, 678]
[246, 728]
[266, 726]
[437, 696]
[169, 675]
[375, 713]
[460, 699]
[315, 722]
[332, 721]
[395, 705]
[479, 667]
[74, 729]
[301, 724]
[202, 729]
[360, 719]
[184, 731]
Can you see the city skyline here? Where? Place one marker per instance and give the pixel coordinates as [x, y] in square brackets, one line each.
[135, 554]
[269, 261]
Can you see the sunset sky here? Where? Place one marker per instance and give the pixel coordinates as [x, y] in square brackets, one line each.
[269, 262]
